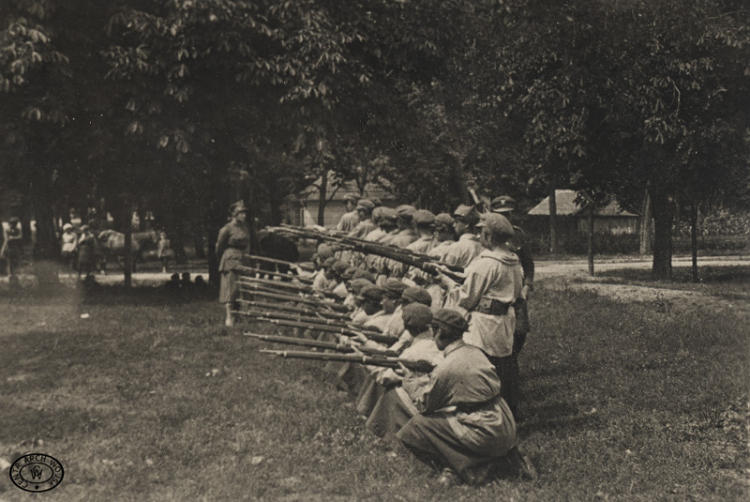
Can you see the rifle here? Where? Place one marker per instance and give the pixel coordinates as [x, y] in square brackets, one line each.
[388, 362]
[338, 347]
[289, 264]
[346, 331]
[424, 262]
[260, 271]
[286, 285]
[313, 322]
[300, 310]
[263, 292]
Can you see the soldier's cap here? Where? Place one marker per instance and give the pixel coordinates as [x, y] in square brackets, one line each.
[467, 214]
[405, 211]
[374, 293]
[451, 319]
[351, 197]
[237, 208]
[417, 315]
[348, 273]
[365, 205]
[444, 220]
[395, 287]
[388, 213]
[325, 251]
[376, 201]
[329, 262]
[417, 295]
[339, 268]
[67, 226]
[497, 224]
[357, 285]
[364, 274]
[503, 204]
[423, 218]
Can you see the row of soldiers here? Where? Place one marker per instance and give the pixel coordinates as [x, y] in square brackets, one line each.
[458, 413]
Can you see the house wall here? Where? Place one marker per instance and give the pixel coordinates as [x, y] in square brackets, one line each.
[613, 225]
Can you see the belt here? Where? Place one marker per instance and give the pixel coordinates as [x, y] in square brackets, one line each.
[492, 306]
[472, 407]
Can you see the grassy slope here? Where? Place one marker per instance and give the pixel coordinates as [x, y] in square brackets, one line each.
[624, 403]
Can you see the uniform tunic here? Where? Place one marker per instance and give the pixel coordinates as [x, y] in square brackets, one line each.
[395, 405]
[401, 239]
[493, 274]
[233, 241]
[463, 251]
[362, 229]
[348, 222]
[463, 423]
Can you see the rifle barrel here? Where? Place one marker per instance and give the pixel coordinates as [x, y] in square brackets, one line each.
[300, 310]
[388, 362]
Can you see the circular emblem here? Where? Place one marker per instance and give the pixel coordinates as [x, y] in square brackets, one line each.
[36, 472]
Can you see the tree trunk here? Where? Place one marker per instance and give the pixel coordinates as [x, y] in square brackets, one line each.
[323, 200]
[553, 244]
[46, 248]
[694, 239]
[646, 246]
[663, 208]
[128, 258]
[591, 239]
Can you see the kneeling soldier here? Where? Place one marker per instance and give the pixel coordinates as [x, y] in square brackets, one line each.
[465, 426]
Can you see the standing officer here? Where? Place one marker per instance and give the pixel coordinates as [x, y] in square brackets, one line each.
[507, 207]
[233, 241]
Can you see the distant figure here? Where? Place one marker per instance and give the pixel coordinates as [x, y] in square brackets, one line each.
[164, 251]
[185, 281]
[349, 221]
[233, 241]
[12, 245]
[68, 246]
[199, 282]
[87, 248]
[173, 284]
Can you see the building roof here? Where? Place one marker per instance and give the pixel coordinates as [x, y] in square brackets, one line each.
[380, 190]
[566, 206]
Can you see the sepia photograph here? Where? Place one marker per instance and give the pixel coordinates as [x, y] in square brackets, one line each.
[374, 250]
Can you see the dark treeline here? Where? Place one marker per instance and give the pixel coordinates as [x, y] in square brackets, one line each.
[181, 106]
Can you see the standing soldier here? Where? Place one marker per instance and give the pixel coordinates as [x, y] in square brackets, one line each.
[468, 247]
[69, 246]
[233, 241]
[349, 220]
[493, 283]
[12, 244]
[518, 244]
[366, 224]
[87, 251]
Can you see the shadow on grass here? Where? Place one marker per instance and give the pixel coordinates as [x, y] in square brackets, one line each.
[683, 275]
[96, 294]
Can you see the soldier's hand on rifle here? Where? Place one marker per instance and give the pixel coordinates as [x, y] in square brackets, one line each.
[388, 377]
[358, 337]
[406, 372]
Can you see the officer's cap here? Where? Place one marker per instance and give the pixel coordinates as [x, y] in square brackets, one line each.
[467, 214]
[503, 204]
[423, 218]
[237, 208]
[417, 315]
[417, 295]
[450, 319]
[497, 224]
[374, 293]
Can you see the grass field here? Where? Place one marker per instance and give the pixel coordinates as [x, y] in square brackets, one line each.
[149, 399]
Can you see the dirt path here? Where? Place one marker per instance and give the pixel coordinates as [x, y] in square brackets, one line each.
[573, 275]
